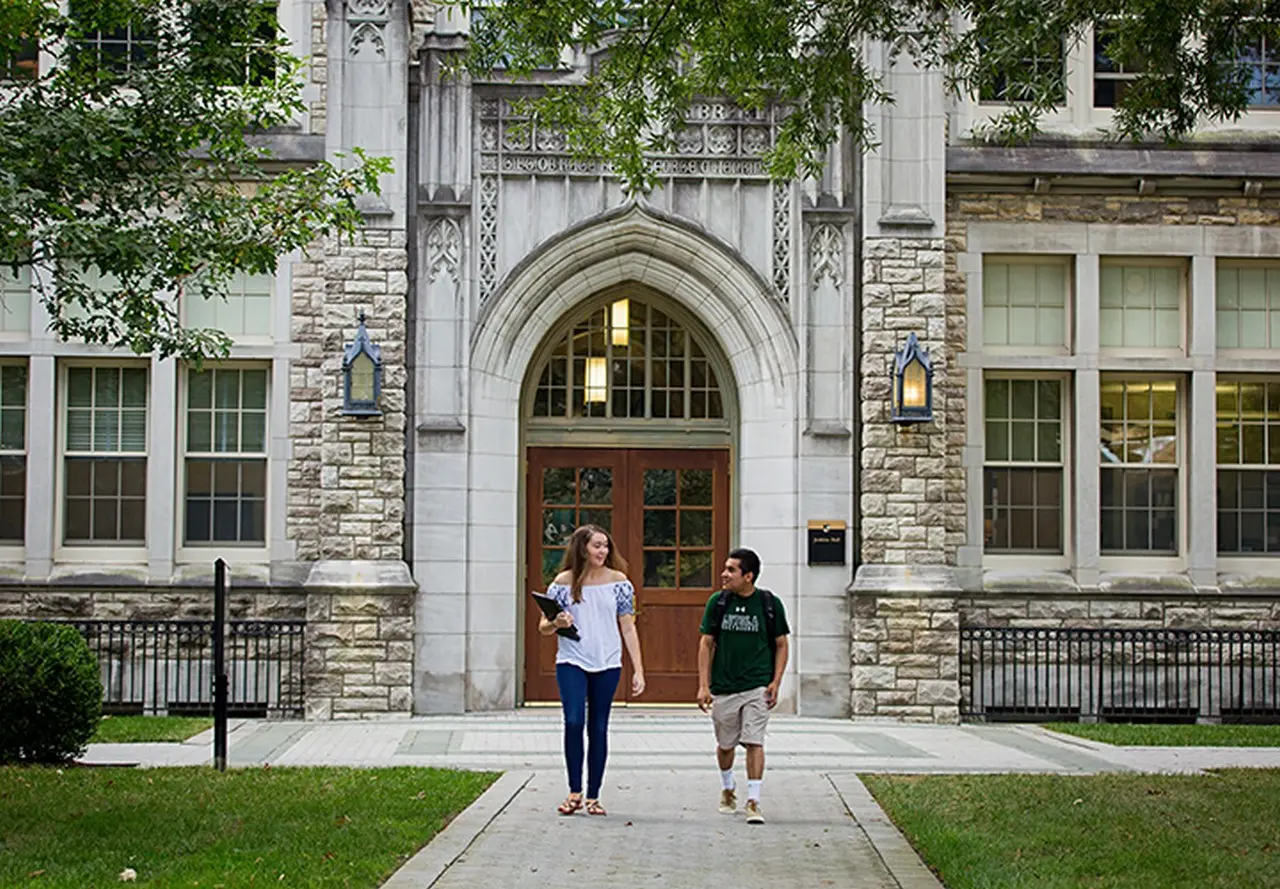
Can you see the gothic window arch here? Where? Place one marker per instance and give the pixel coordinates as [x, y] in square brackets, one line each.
[629, 358]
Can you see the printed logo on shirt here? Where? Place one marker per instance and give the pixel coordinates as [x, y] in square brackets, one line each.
[738, 622]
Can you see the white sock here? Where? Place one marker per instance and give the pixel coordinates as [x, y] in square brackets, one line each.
[753, 789]
[726, 779]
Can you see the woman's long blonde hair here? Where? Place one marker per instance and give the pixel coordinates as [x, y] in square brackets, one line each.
[576, 561]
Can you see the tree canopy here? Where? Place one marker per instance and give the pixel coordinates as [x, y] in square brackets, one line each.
[132, 172]
[1192, 60]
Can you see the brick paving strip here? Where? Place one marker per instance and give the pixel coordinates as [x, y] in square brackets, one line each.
[663, 830]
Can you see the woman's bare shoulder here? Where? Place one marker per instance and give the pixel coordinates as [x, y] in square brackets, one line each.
[615, 576]
[564, 578]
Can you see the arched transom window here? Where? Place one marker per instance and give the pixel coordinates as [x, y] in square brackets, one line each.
[628, 359]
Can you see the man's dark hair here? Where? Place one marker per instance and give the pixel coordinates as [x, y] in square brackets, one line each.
[748, 561]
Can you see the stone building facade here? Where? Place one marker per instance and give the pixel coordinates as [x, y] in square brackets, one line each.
[704, 366]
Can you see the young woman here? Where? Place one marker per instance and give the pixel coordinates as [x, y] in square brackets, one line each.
[598, 599]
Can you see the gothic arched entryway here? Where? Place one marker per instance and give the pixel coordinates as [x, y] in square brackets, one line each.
[628, 424]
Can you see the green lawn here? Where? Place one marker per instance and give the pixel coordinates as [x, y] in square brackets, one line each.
[1174, 735]
[1113, 831]
[128, 729]
[78, 828]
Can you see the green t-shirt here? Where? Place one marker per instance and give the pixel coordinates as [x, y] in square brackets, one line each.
[743, 658]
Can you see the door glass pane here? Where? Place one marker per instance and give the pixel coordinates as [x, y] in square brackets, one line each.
[695, 569]
[659, 527]
[551, 559]
[557, 526]
[557, 485]
[695, 487]
[660, 569]
[601, 518]
[660, 487]
[695, 527]
[596, 486]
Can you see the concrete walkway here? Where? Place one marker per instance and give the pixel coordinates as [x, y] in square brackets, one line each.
[823, 828]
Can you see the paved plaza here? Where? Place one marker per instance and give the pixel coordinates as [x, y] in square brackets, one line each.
[823, 829]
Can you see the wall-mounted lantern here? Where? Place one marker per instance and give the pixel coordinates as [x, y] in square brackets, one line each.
[912, 384]
[362, 375]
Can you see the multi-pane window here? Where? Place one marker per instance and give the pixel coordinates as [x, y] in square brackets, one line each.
[1248, 305]
[1139, 462]
[105, 454]
[13, 452]
[1111, 78]
[1023, 471]
[1248, 466]
[629, 359]
[117, 48]
[15, 299]
[235, 50]
[1140, 305]
[1262, 66]
[22, 64]
[246, 312]
[226, 456]
[1024, 302]
[1046, 68]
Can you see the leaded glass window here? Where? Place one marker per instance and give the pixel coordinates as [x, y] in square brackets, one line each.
[629, 360]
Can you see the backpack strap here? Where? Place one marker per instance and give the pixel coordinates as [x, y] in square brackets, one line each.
[717, 616]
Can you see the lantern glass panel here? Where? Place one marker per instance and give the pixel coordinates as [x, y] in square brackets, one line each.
[362, 388]
[914, 387]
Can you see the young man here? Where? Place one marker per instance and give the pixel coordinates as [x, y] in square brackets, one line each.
[741, 658]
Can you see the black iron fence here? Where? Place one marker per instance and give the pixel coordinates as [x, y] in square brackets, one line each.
[1114, 675]
[165, 667]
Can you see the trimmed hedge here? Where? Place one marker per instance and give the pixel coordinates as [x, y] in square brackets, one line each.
[50, 692]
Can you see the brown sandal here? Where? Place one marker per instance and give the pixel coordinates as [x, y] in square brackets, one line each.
[570, 805]
[594, 807]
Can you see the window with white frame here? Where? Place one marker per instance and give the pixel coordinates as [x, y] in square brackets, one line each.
[118, 48]
[235, 51]
[1248, 304]
[1021, 83]
[13, 453]
[1023, 465]
[1111, 78]
[1140, 458]
[15, 299]
[1024, 301]
[1140, 304]
[1248, 466]
[226, 456]
[245, 313]
[105, 455]
[1262, 68]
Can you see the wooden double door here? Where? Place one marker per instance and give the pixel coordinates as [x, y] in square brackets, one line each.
[668, 513]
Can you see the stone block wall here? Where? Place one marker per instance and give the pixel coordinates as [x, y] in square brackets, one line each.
[359, 646]
[118, 599]
[1152, 610]
[320, 66]
[347, 474]
[906, 646]
[913, 484]
[1129, 209]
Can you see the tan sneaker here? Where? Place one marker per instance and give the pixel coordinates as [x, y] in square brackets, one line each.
[752, 808]
[728, 802]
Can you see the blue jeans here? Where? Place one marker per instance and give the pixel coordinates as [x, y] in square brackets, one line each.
[586, 698]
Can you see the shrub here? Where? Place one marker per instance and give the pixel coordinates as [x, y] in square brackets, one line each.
[50, 692]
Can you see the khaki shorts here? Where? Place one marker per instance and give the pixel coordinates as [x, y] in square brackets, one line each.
[740, 718]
